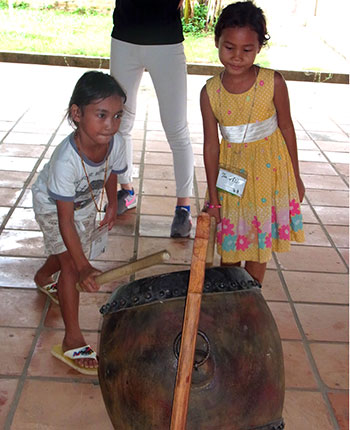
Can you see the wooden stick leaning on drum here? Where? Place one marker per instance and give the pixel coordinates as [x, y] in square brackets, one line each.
[191, 318]
[130, 268]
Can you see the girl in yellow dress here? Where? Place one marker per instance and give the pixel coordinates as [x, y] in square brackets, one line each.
[256, 200]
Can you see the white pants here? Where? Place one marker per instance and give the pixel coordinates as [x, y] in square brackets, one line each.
[166, 65]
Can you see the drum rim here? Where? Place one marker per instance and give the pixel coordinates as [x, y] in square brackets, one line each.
[147, 292]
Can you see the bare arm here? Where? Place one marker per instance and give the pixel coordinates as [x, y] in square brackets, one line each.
[111, 191]
[285, 123]
[211, 151]
[71, 239]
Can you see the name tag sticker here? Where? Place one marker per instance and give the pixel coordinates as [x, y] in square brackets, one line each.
[99, 239]
[231, 182]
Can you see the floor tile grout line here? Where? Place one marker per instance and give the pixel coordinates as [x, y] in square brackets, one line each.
[326, 157]
[325, 231]
[13, 126]
[30, 177]
[322, 388]
[22, 379]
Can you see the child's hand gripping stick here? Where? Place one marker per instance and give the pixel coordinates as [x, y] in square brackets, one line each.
[127, 269]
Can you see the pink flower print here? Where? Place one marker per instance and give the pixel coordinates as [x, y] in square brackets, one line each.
[284, 232]
[246, 145]
[268, 241]
[256, 224]
[242, 243]
[266, 138]
[229, 145]
[294, 208]
[218, 90]
[273, 214]
[261, 83]
[227, 227]
[229, 112]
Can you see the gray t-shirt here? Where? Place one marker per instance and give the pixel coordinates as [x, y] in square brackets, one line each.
[63, 177]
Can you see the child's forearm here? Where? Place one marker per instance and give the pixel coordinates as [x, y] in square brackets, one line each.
[211, 162]
[111, 190]
[291, 142]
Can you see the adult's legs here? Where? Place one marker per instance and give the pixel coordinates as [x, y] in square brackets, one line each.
[256, 270]
[167, 67]
[126, 68]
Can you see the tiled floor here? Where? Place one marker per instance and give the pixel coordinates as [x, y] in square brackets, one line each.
[306, 289]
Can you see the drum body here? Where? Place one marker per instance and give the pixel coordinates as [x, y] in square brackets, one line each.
[238, 376]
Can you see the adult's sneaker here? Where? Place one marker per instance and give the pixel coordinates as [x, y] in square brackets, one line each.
[125, 201]
[182, 223]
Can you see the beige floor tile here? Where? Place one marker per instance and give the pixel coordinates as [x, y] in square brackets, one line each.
[21, 164]
[16, 344]
[324, 322]
[179, 249]
[328, 198]
[27, 199]
[308, 215]
[309, 167]
[316, 156]
[119, 248]
[333, 215]
[345, 253]
[153, 171]
[159, 188]
[329, 136]
[200, 174]
[125, 224]
[157, 146]
[305, 410]
[161, 158]
[325, 182]
[42, 402]
[18, 272]
[339, 234]
[14, 150]
[26, 307]
[332, 362]
[333, 146]
[298, 372]
[3, 212]
[315, 236]
[158, 226]
[89, 312]
[317, 287]
[44, 364]
[285, 321]
[343, 169]
[22, 243]
[272, 288]
[338, 157]
[311, 259]
[28, 138]
[12, 179]
[340, 405]
[7, 391]
[22, 219]
[158, 205]
[8, 196]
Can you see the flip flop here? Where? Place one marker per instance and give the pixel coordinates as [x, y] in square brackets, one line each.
[50, 290]
[69, 356]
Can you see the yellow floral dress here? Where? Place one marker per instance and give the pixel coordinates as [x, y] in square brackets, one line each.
[267, 217]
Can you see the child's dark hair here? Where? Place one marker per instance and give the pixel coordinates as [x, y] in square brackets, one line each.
[91, 87]
[243, 14]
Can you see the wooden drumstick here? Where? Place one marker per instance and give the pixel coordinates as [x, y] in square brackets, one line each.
[211, 244]
[190, 324]
[128, 269]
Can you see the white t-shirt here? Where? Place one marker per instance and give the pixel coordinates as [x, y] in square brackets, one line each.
[63, 177]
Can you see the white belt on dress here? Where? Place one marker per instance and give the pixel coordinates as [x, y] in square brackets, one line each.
[249, 132]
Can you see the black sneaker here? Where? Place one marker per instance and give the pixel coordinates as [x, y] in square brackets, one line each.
[182, 223]
[125, 201]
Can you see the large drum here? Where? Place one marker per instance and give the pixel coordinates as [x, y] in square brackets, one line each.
[238, 375]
